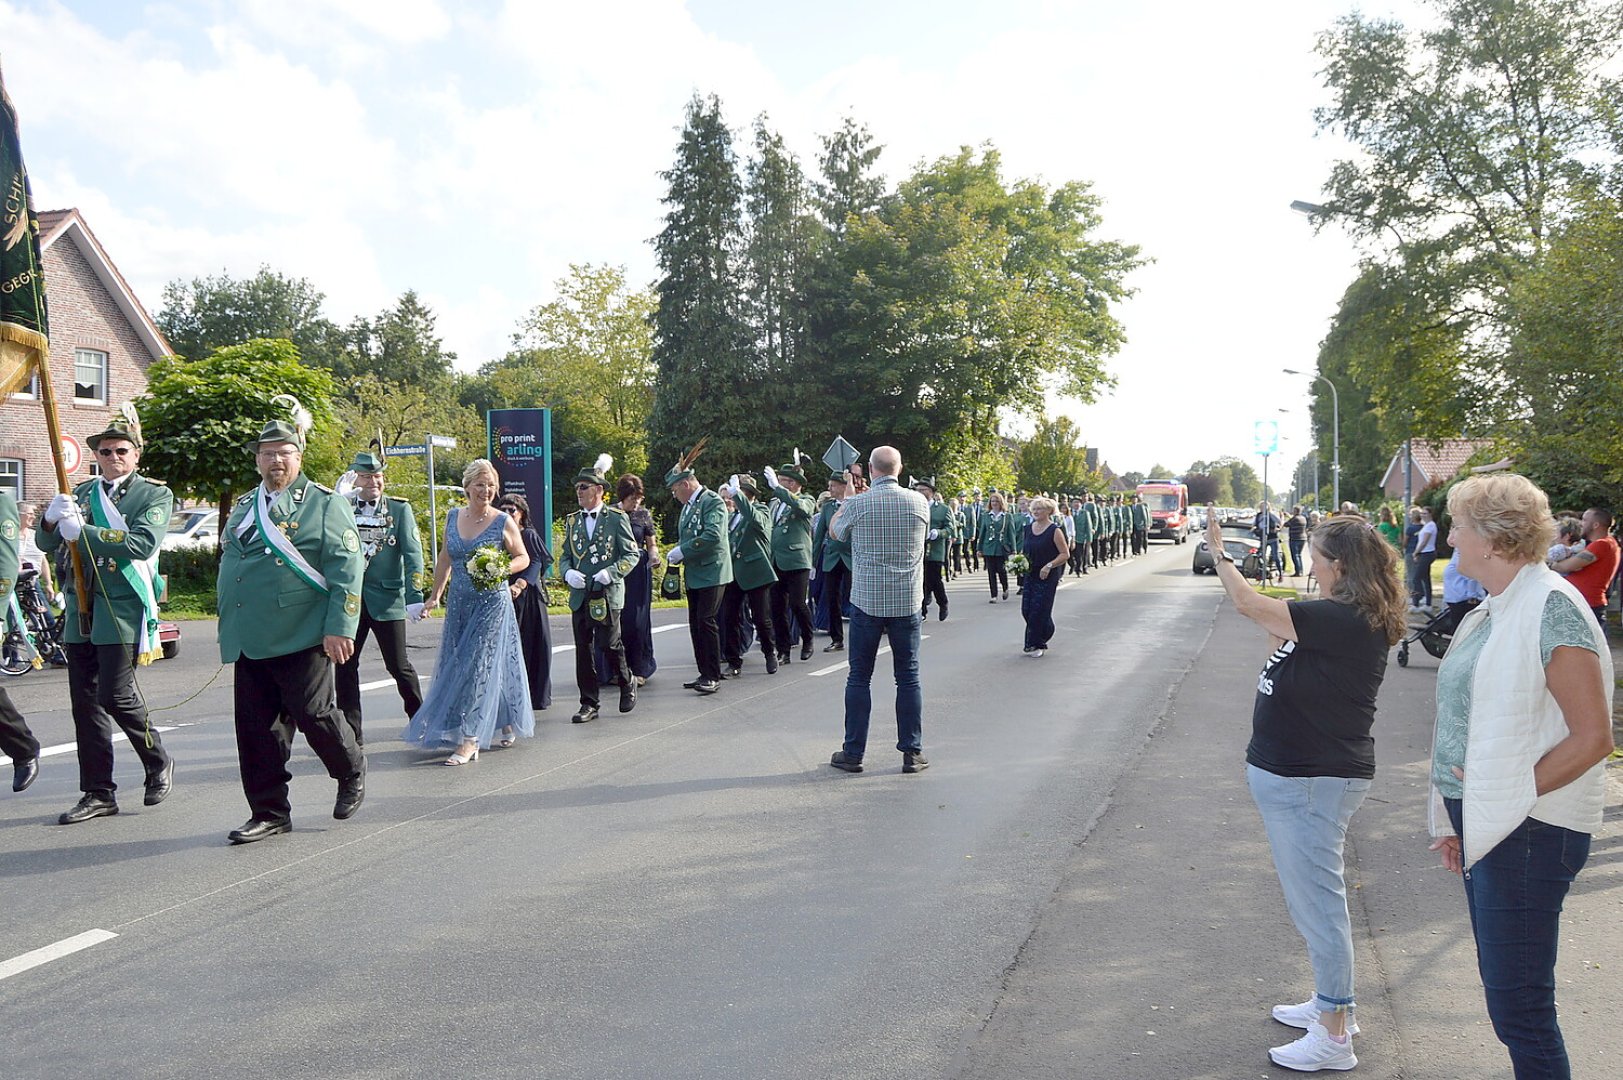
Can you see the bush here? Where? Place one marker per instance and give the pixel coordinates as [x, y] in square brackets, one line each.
[190, 570]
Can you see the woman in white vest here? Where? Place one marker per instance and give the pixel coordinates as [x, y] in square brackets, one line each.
[1524, 707]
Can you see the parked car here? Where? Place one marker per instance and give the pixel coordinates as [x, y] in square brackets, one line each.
[196, 527]
[1237, 541]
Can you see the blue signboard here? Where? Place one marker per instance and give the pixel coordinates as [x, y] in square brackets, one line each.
[520, 442]
[1265, 437]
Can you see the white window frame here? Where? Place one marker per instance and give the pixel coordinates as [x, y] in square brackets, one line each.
[105, 364]
[29, 392]
[13, 473]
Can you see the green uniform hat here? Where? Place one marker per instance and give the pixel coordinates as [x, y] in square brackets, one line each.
[366, 462]
[793, 472]
[597, 473]
[841, 477]
[922, 481]
[746, 482]
[276, 431]
[126, 425]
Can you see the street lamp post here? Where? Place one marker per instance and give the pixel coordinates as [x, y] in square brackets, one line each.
[1335, 440]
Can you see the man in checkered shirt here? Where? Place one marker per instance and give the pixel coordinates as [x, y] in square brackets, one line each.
[885, 527]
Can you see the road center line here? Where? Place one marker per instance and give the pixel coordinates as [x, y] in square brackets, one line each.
[55, 951]
[846, 663]
[68, 748]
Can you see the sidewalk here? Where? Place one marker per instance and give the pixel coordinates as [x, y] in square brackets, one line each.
[1167, 941]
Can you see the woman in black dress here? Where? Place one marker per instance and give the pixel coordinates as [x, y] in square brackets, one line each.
[533, 632]
[1047, 550]
[636, 618]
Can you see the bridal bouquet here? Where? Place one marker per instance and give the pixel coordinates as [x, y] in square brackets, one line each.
[487, 567]
[1019, 564]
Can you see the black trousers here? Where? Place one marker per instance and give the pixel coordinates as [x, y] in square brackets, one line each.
[590, 636]
[1141, 541]
[1079, 556]
[274, 696]
[836, 594]
[391, 635]
[734, 601]
[703, 605]
[995, 573]
[16, 741]
[934, 585]
[957, 556]
[789, 601]
[102, 691]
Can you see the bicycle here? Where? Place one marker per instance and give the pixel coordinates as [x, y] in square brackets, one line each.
[40, 635]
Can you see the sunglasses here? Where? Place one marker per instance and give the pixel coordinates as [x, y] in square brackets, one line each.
[110, 451]
[584, 487]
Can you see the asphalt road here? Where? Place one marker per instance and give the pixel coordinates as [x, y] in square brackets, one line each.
[689, 891]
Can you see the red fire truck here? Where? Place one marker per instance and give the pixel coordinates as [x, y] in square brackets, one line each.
[1168, 501]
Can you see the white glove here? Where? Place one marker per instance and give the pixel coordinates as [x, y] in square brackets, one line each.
[732, 484]
[771, 475]
[675, 556]
[71, 523]
[604, 576]
[416, 612]
[933, 534]
[574, 578]
[57, 507]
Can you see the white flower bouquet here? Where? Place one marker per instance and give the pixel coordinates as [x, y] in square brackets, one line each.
[488, 567]
[1019, 564]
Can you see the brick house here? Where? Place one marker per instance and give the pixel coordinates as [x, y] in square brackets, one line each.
[1431, 463]
[102, 341]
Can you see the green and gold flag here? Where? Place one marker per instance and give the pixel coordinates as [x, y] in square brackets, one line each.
[24, 326]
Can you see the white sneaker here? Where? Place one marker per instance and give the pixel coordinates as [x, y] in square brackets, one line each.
[1315, 1051]
[1300, 1016]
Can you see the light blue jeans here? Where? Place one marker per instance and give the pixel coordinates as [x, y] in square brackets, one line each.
[1306, 818]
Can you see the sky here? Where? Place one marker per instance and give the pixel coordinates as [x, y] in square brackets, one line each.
[473, 150]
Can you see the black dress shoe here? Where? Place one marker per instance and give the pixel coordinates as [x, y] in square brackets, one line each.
[24, 772]
[771, 664]
[91, 806]
[806, 651]
[707, 686]
[628, 695]
[914, 762]
[942, 615]
[844, 762]
[255, 829]
[694, 685]
[783, 658]
[160, 784]
[585, 715]
[351, 790]
[733, 671]
[837, 646]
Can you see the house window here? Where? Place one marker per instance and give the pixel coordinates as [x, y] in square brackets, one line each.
[11, 477]
[30, 391]
[90, 376]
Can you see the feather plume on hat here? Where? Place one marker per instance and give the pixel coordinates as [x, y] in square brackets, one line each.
[604, 463]
[683, 469]
[297, 413]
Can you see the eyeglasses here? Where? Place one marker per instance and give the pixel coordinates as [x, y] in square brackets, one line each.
[109, 451]
[277, 453]
[584, 487]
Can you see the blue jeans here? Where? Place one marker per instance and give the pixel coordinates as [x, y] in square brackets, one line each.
[1306, 818]
[1037, 608]
[863, 646]
[1296, 557]
[1514, 894]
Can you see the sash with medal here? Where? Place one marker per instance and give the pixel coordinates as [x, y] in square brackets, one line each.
[141, 574]
[28, 634]
[278, 540]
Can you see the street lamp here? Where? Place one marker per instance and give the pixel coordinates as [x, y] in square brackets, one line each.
[1335, 435]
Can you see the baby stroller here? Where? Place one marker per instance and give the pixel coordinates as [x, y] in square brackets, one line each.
[1437, 633]
[40, 634]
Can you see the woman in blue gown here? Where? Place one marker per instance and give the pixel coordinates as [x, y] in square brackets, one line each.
[480, 682]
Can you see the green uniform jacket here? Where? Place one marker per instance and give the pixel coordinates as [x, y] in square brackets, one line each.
[997, 534]
[394, 574]
[972, 523]
[751, 546]
[11, 527]
[941, 521]
[116, 610]
[835, 551]
[707, 557]
[1096, 520]
[791, 530]
[613, 547]
[1084, 524]
[266, 609]
[1141, 517]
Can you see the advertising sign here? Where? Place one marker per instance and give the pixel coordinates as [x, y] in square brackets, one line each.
[520, 442]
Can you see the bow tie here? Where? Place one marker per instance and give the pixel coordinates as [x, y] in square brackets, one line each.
[591, 515]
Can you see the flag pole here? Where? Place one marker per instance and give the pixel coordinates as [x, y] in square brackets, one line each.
[53, 431]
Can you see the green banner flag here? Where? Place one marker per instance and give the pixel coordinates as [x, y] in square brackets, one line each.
[24, 326]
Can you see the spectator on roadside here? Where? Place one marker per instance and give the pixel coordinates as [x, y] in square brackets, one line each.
[1461, 593]
[885, 527]
[1425, 553]
[1524, 708]
[1591, 569]
[1569, 540]
[1296, 536]
[1388, 527]
[1266, 527]
[30, 552]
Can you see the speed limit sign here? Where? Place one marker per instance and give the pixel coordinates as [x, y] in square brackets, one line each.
[70, 454]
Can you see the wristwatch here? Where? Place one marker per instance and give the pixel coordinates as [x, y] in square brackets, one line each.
[1224, 555]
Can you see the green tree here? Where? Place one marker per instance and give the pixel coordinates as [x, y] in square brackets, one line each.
[1054, 458]
[849, 187]
[777, 257]
[400, 346]
[210, 313]
[199, 415]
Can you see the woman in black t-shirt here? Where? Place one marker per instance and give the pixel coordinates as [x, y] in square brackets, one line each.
[1312, 757]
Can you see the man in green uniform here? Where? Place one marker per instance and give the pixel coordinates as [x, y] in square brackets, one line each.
[791, 557]
[973, 509]
[393, 587]
[835, 562]
[1141, 525]
[599, 550]
[749, 536]
[703, 548]
[289, 600]
[16, 740]
[936, 539]
[118, 522]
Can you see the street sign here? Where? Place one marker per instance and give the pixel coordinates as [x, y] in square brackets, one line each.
[443, 442]
[1265, 437]
[70, 455]
[410, 450]
[840, 455]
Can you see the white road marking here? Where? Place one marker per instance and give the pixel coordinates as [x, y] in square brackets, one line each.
[68, 748]
[656, 630]
[56, 951]
[845, 664]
